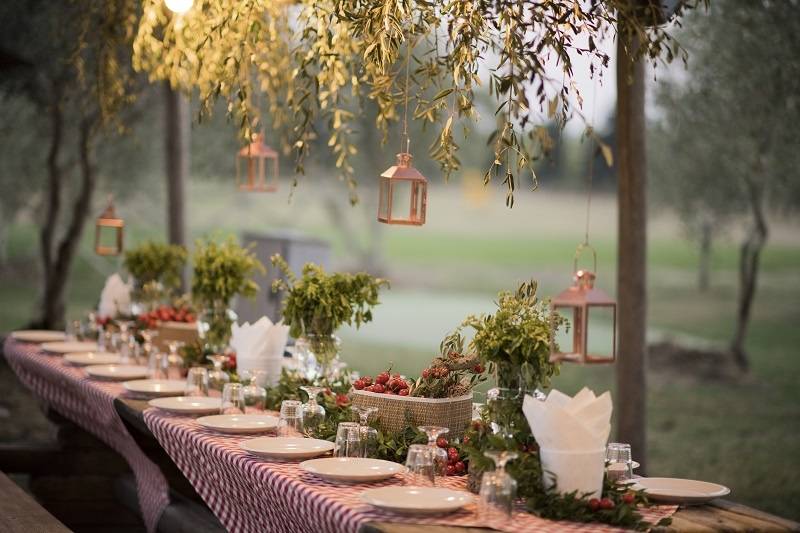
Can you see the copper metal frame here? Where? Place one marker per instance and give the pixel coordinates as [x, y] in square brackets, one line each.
[403, 171]
[580, 297]
[109, 219]
[257, 154]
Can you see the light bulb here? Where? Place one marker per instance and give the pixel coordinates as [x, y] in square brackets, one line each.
[179, 6]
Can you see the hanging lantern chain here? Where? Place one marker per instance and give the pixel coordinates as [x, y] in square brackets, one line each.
[407, 146]
[591, 166]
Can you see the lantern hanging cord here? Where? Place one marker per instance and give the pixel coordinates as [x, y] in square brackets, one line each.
[591, 165]
[407, 147]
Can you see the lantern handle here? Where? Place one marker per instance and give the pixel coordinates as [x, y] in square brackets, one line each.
[579, 250]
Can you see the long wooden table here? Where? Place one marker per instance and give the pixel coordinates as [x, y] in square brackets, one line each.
[721, 515]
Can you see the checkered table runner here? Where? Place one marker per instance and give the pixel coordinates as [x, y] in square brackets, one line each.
[90, 404]
[248, 493]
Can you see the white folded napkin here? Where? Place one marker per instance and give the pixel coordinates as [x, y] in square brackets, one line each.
[260, 346]
[560, 422]
[115, 299]
[572, 433]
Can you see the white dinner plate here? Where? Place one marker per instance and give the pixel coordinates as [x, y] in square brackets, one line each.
[675, 490]
[156, 387]
[38, 335]
[239, 424]
[69, 346]
[91, 358]
[116, 372]
[352, 469]
[417, 500]
[287, 447]
[187, 405]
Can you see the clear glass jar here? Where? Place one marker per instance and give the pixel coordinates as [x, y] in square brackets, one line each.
[318, 356]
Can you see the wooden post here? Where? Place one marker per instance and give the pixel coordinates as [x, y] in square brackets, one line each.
[632, 250]
[176, 119]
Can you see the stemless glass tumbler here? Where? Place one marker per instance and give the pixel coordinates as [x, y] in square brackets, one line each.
[196, 382]
[348, 440]
[420, 466]
[291, 419]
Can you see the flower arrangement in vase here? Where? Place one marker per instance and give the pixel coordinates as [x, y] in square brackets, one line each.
[318, 303]
[222, 270]
[156, 269]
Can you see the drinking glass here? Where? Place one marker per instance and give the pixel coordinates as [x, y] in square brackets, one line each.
[420, 466]
[232, 399]
[439, 454]
[175, 360]
[196, 382]
[313, 413]
[157, 364]
[348, 440]
[369, 435]
[291, 419]
[218, 378]
[619, 465]
[255, 397]
[498, 489]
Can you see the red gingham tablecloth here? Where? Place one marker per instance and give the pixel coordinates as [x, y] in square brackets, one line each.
[90, 404]
[248, 493]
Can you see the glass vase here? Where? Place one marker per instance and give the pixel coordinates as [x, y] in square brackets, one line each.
[214, 326]
[318, 356]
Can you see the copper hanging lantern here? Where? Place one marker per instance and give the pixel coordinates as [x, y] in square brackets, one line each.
[109, 231]
[580, 299]
[402, 185]
[261, 163]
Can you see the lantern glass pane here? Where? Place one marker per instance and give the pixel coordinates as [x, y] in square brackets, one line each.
[107, 239]
[401, 198]
[566, 339]
[601, 331]
[383, 199]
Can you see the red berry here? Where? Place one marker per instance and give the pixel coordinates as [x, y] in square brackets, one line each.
[403, 392]
[368, 388]
[478, 369]
[367, 380]
[466, 439]
[629, 497]
[452, 454]
[443, 371]
[378, 388]
[403, 384]
[426, 373]
[460, 467]
[382, 378]
[391, 384]
[606, 503]
[441, 442]
[396, 376]
[451, 470]
[358, 385]
[594, 504]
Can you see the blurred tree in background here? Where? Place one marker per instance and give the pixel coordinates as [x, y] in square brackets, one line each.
[727, 147]
[65, 86]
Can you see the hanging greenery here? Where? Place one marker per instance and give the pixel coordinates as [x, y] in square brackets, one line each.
[320, 61]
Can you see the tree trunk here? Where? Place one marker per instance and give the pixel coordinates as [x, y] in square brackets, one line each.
[632, 250]
[57, 267]
[749, 259]
[704, 261]
[176, 118]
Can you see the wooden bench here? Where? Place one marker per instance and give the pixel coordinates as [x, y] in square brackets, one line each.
[19, 513]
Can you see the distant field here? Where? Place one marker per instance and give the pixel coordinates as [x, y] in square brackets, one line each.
[743, 434]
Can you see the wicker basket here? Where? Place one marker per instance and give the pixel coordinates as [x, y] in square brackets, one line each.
[452, 413]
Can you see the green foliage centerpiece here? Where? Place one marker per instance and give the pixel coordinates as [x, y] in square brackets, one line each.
[514, 343]
[318, 303]
[156, 269]
[222, 270]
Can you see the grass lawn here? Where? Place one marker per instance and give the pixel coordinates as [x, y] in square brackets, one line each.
[744, 434]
